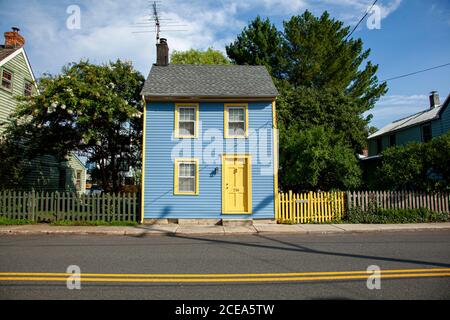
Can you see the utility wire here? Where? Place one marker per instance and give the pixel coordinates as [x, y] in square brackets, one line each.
[361, 20]
[416, 72]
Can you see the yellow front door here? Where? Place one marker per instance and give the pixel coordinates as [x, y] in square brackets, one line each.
[236, 184]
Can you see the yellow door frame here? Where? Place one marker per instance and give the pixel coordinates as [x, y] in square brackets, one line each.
[275, 159]
[248, 159]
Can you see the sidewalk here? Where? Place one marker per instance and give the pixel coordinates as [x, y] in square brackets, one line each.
[175, 229]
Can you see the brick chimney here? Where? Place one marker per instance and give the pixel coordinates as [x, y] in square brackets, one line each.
[434, 99]
[162, 53]
[13, 39]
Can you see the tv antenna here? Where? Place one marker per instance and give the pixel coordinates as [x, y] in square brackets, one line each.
[155, 21]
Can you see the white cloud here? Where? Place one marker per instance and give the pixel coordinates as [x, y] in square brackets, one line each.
[106, 32]
[394, 107]
[418, 99]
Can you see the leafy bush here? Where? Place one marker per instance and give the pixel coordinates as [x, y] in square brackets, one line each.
[316, 158]
[416, 166]
[376, 215]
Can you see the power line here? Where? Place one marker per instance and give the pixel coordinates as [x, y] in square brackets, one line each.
[416, 72]
[361, 20]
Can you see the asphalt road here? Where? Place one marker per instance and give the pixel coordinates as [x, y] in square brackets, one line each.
[275, 256]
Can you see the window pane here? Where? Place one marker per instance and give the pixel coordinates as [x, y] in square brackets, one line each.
[186, 128]
[7, 75]
[236, 128]
[187, 185]
[6, 79]
[28, 89]
[426, 133]
[187, 114]
[187, 169]
[392, 140]
[236, 114]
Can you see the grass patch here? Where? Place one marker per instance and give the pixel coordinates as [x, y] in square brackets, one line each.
[4, 221]
[94, 223]
[384, 216]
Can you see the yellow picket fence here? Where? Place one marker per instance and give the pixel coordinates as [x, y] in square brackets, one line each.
[310, 207]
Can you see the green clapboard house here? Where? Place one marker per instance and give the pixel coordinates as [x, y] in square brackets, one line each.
[43, 173]
[419, 127]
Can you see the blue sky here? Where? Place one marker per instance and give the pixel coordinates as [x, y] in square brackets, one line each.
[414, 35]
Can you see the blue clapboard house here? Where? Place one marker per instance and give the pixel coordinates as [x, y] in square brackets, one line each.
[210, 142]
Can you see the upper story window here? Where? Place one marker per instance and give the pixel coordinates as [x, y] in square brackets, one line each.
[236, 120]
[27, 89]
[392, 140]
[426, 132]
[7, 78]
[186, 120]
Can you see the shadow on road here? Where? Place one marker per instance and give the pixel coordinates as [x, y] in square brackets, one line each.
[292, 247]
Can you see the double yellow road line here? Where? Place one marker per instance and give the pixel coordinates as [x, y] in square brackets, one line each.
[222, 278]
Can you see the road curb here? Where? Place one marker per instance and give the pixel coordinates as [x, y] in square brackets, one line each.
[226, 231]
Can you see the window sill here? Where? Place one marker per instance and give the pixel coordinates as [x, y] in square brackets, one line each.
[10, 91]
[185, 194]
[236, 137]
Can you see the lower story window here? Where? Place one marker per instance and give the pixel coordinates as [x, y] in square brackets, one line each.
[28, 89]
[392, 140]
[426, 132]
[186, 177]
[78, 180]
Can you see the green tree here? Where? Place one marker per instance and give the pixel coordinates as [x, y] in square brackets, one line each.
[321, 158]
[259, 44]
[323, 78]
[95, 110]
[308, 107]
[403, 167]
[319, 55]
[439, 155]
[12, 154]
[193, 56]
[416, 166]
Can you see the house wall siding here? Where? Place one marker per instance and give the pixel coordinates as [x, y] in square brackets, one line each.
[72, 166]
[42, 174]
[409, 135]
[443, 123]
[7, 101]
[159, 200]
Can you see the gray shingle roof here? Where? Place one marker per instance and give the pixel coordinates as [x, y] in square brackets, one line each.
[209, 81]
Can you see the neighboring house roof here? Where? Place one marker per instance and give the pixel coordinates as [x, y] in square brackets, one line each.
[75, 156]
[208, 81]
[415, 119]
[6, 54]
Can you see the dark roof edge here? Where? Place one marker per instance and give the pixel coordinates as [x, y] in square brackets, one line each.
[209, 98]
